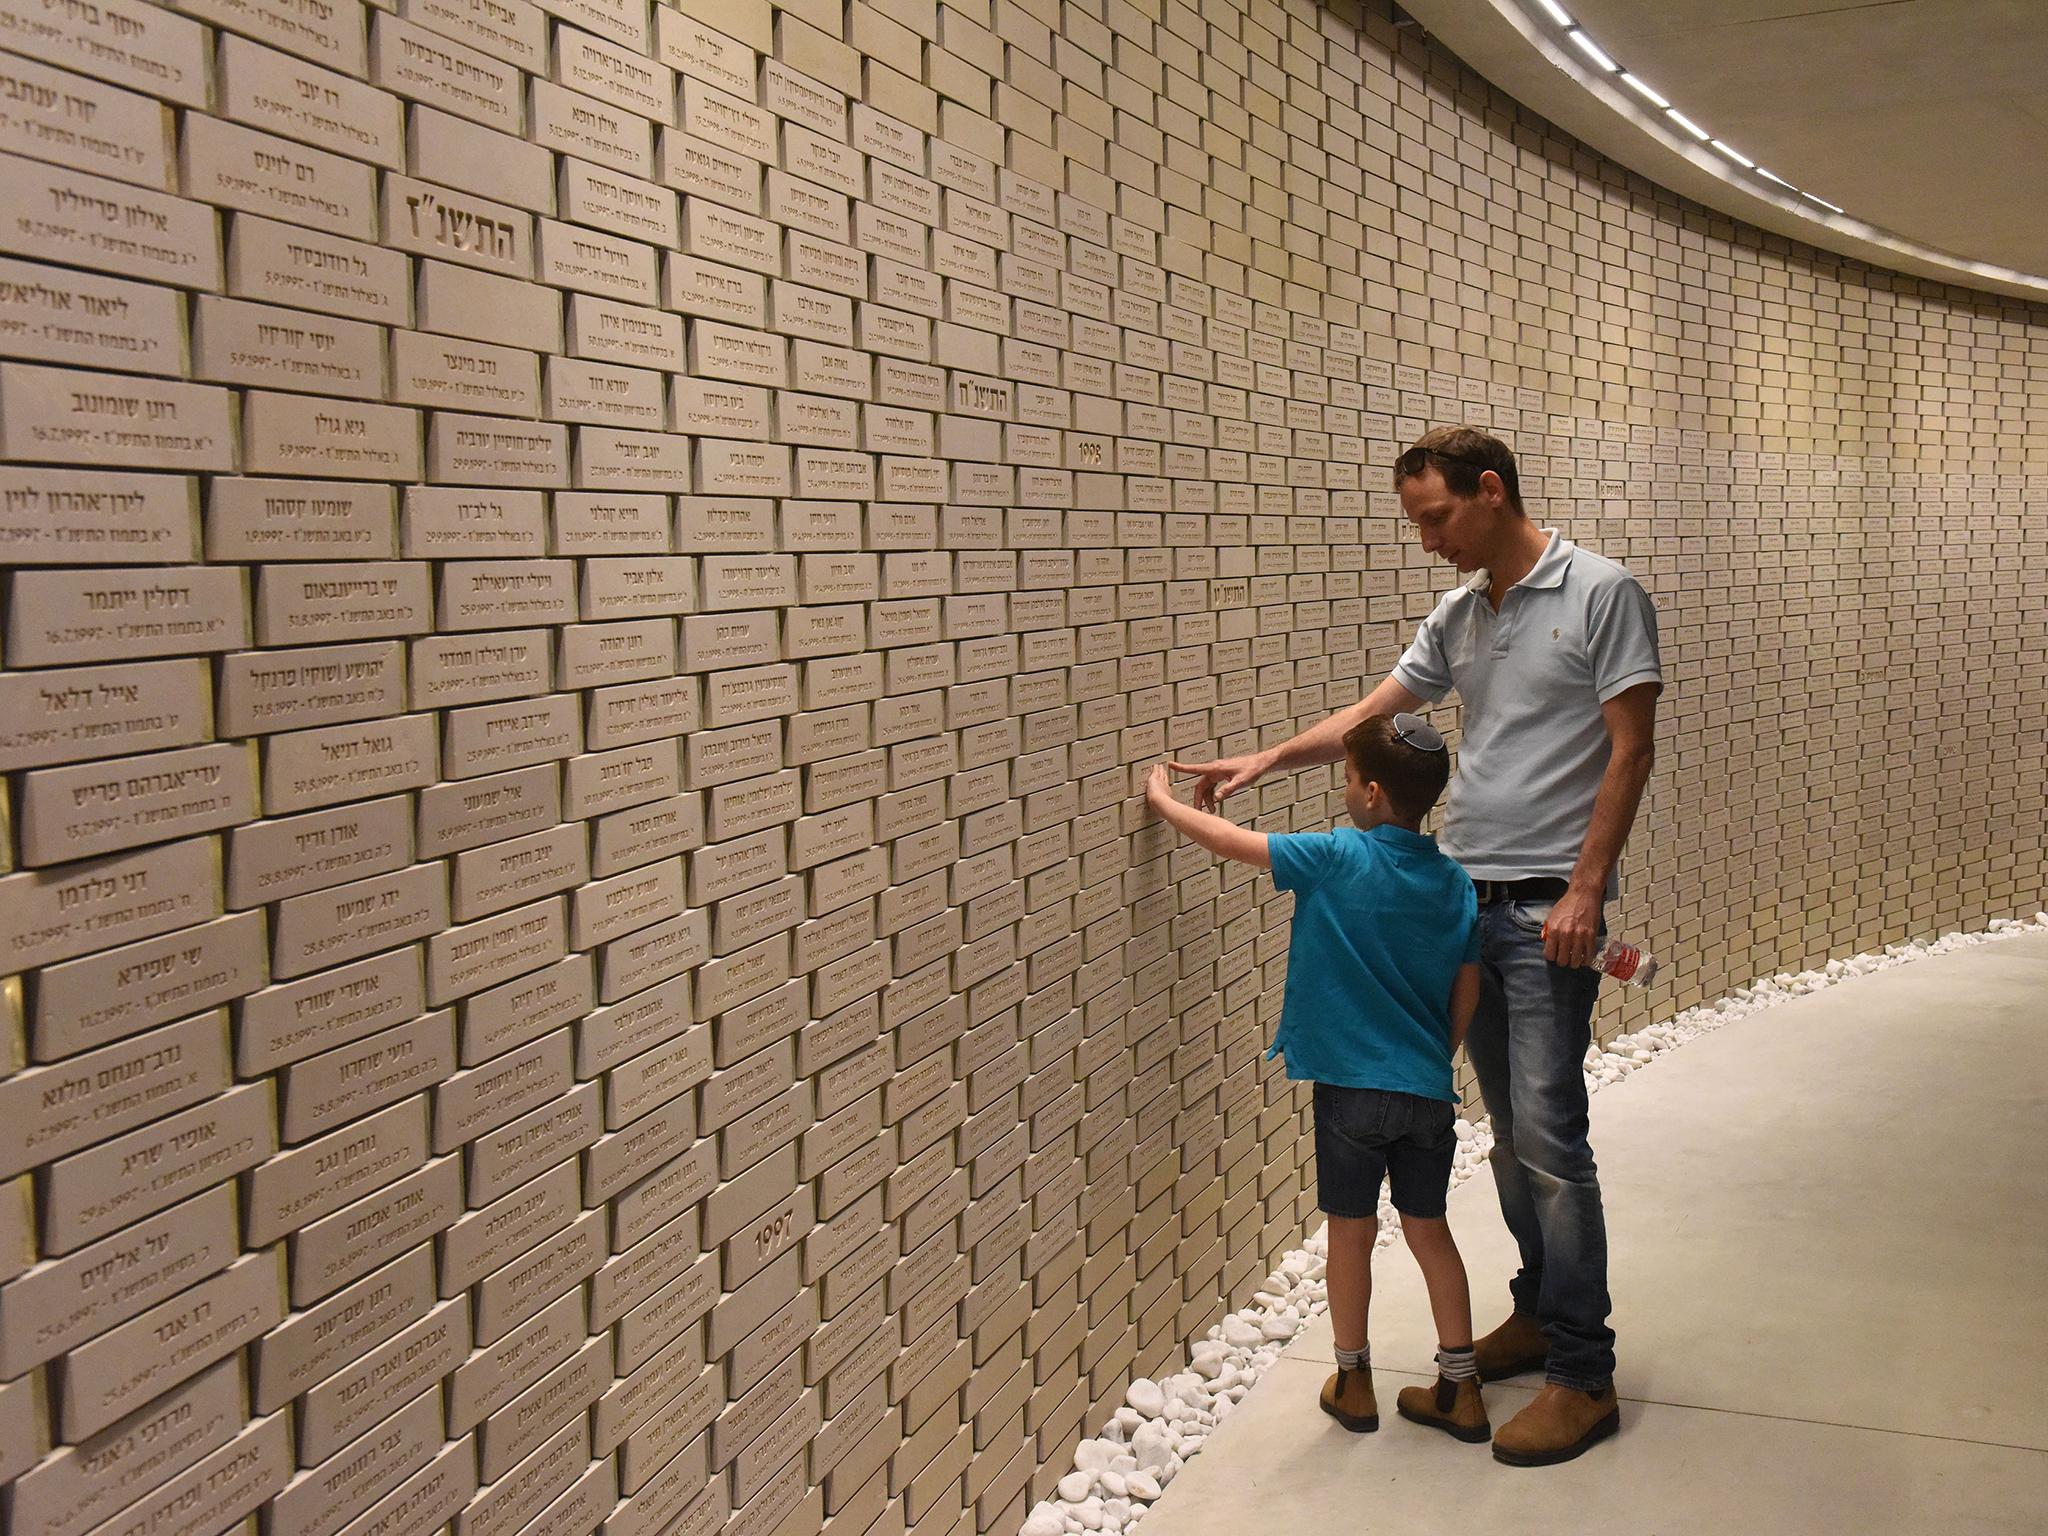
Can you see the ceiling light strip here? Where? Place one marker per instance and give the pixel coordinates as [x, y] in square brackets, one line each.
[1647, 91]
[1591, 50]
[1602, 60]
[1687, 124]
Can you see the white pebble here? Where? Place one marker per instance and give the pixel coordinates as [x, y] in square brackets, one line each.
[1094, 1455]
[1152, 1446]
[1185, 1385]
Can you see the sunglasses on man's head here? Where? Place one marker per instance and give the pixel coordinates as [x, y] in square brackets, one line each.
[1455, 458]
[1416, 732]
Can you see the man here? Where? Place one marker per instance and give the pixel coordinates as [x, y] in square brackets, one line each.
[1553, 652]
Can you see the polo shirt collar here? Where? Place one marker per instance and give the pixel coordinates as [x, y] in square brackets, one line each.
[1548, 571]
[1400, 837]
[1550, 566]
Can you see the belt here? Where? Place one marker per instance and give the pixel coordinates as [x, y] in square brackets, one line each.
[1536, 888]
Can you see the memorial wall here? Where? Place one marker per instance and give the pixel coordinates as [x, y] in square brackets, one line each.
[586, 584]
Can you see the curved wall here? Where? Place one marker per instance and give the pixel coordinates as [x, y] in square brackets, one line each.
[585, 586]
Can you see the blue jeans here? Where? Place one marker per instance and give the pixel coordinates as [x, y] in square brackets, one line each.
[1528, 1044]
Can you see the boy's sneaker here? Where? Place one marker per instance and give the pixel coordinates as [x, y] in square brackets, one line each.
[1561, 1423]
[1515, 1347]
[1455, 1407]
[1347, 1398]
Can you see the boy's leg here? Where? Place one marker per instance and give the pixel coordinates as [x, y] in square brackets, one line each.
[1419, 1170]
[1420, 1167]
[1349, 1277]
[1349, 1168]
[1443, 1272]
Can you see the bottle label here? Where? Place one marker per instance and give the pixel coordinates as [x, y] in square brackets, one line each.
[1622, 961]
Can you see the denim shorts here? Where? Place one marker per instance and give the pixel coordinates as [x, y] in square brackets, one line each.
[1366, 1134]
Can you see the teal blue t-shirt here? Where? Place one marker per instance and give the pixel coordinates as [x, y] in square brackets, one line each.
[1382, 921]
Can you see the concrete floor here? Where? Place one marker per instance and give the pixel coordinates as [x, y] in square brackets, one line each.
[1829, 1232]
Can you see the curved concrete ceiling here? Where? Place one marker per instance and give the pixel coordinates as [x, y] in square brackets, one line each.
[1922, 119]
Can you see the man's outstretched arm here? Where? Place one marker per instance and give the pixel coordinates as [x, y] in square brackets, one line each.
[1321, 743]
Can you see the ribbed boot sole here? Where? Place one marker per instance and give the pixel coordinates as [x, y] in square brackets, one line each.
[1478, 1434]
[1358, 1424]
[1592, 1437]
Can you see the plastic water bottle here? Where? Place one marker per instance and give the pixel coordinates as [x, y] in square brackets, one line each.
[1625, 962]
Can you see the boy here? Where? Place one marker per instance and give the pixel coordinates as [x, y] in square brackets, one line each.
[1381, 982]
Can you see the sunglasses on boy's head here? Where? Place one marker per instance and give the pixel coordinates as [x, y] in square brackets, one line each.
[1414, 731]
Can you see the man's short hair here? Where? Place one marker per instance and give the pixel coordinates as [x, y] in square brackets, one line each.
[1461, 455]
[1411, 777]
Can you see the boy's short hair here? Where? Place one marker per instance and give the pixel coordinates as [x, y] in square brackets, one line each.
[1411, 777]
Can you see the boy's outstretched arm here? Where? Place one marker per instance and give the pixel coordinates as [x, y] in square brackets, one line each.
[1223, 838]
[1464, 1003]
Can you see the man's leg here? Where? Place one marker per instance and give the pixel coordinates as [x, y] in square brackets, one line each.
[1553, 1178]
[1487, 1048]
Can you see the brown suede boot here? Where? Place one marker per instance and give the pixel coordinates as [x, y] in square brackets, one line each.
[1455, 1407]
[1515, 1347]
[1562, 1423]
[1347, 1398]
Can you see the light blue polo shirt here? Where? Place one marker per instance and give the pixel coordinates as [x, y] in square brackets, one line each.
[1382, 921]
[1569, 636]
